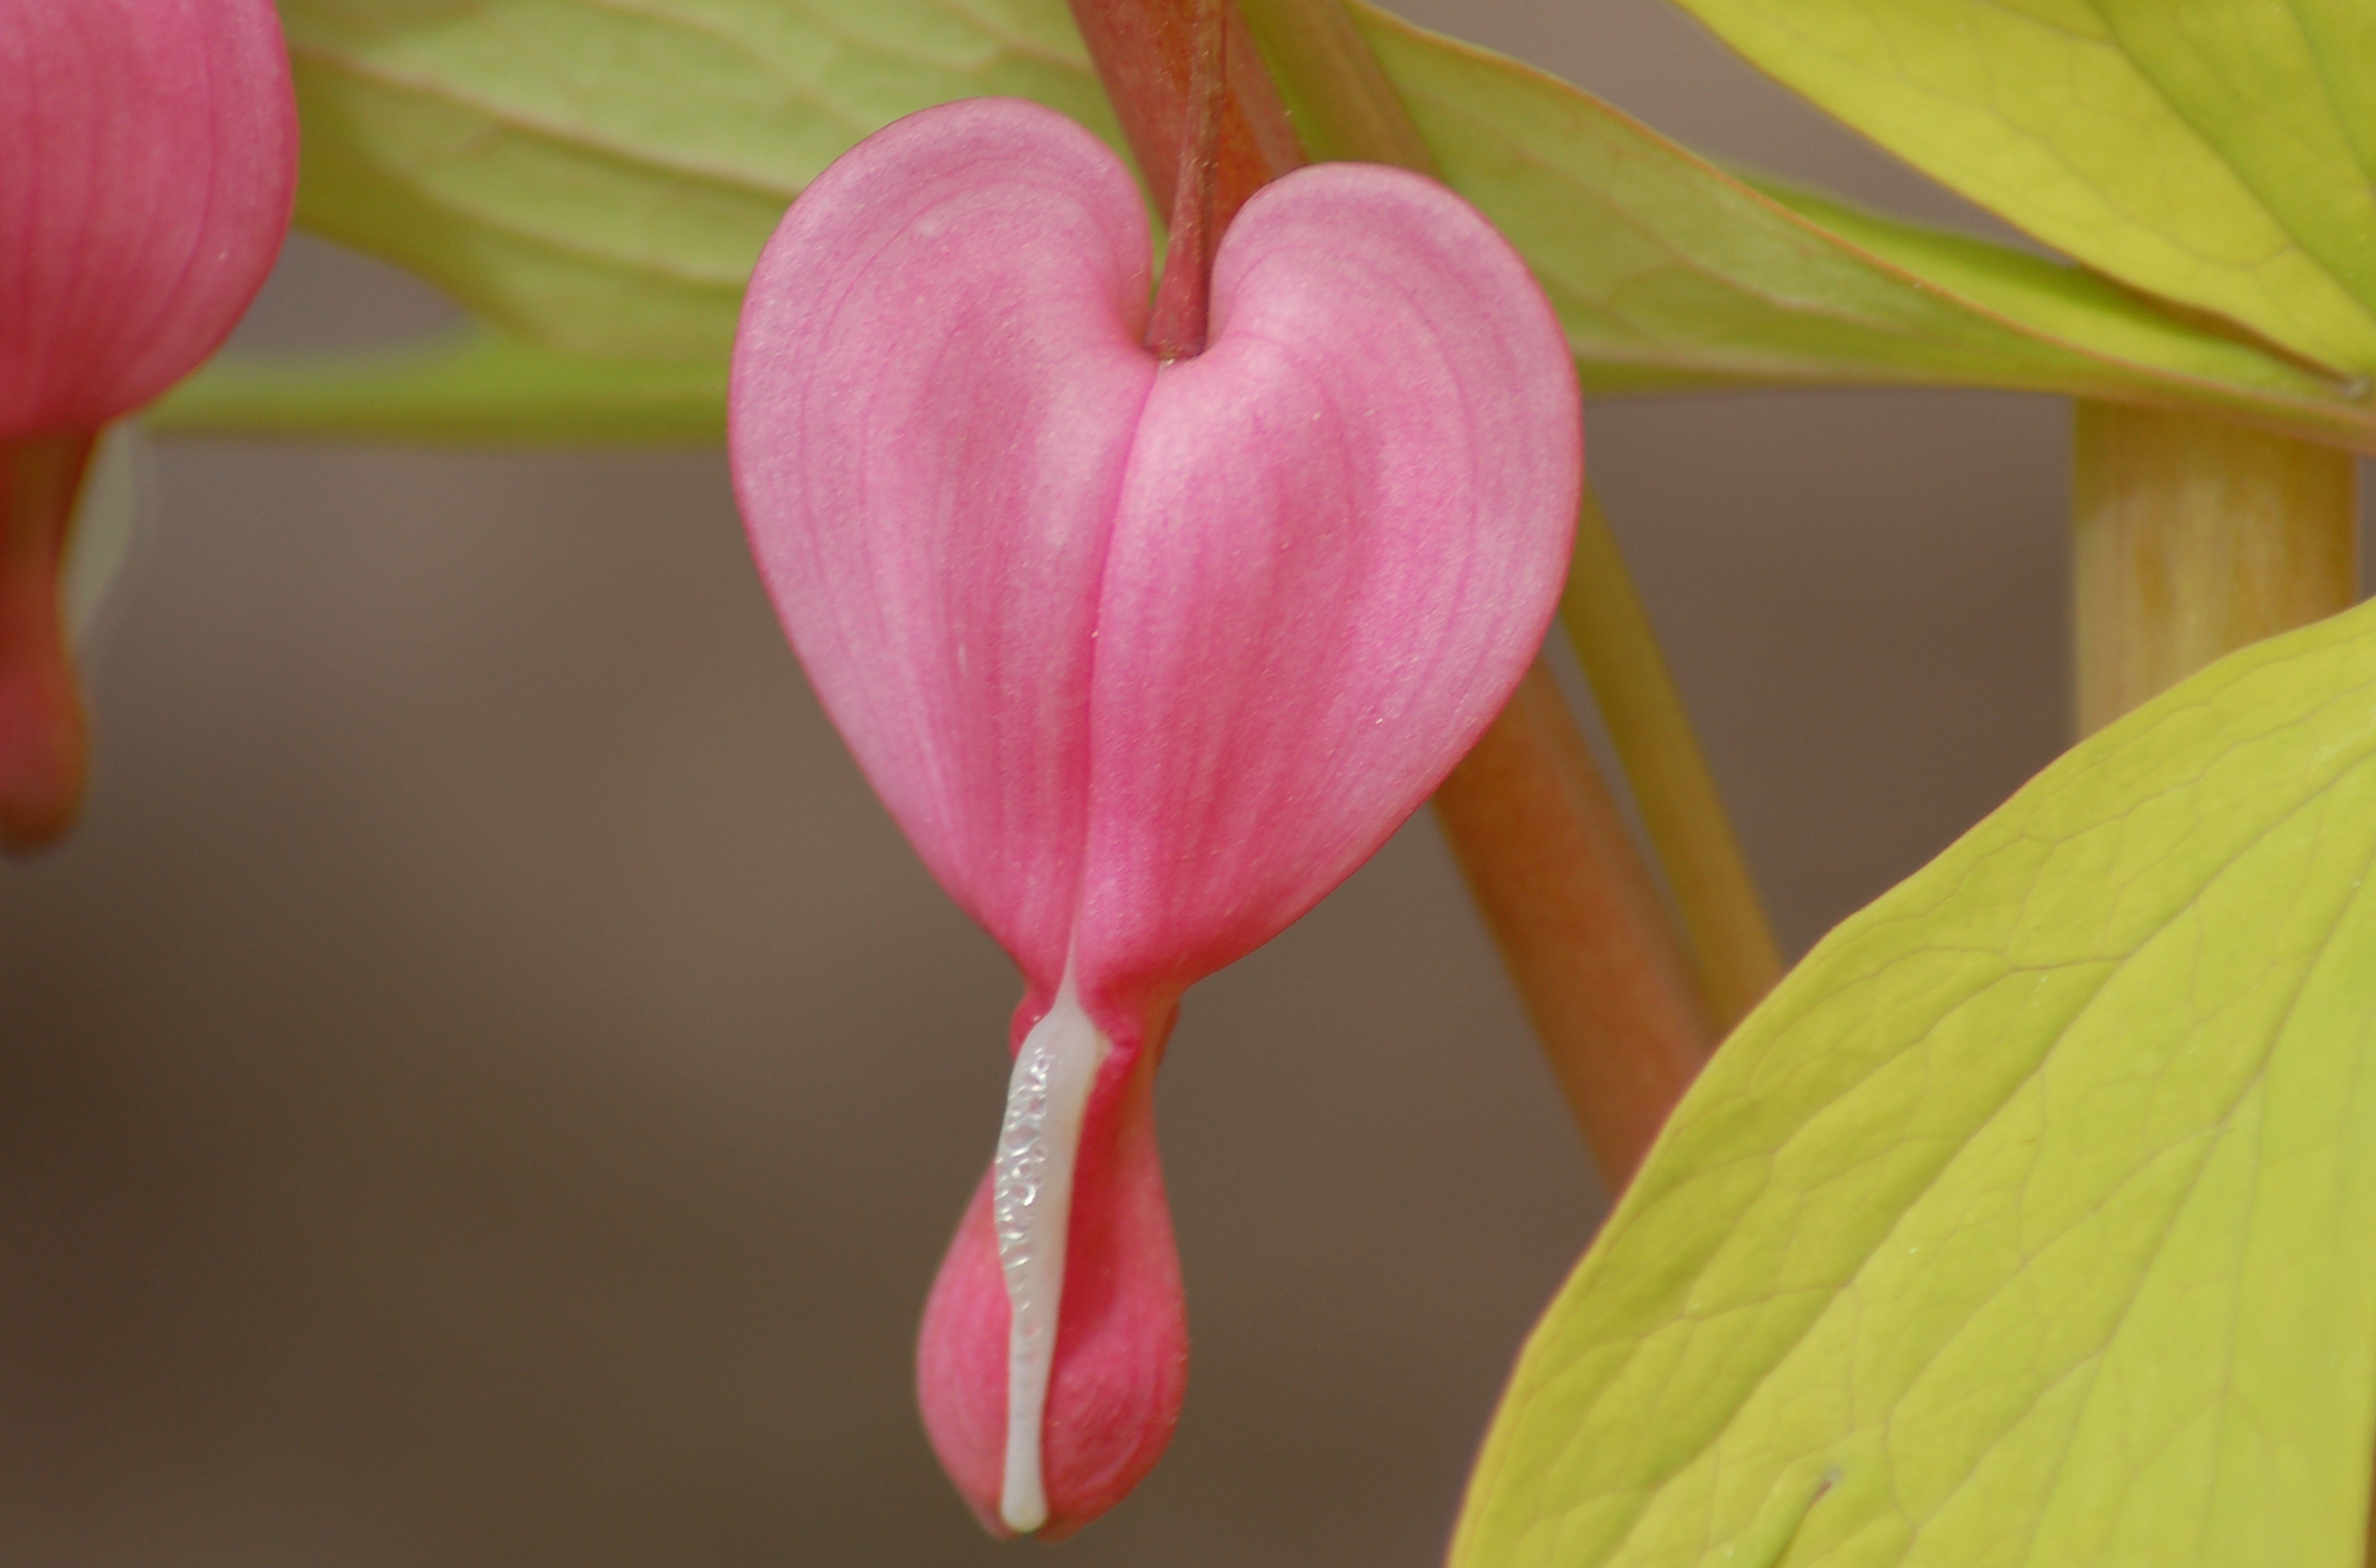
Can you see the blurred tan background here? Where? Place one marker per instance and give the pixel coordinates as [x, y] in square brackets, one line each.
[487, 1086]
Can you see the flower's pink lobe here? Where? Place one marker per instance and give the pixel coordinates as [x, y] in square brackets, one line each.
[935, 388]
[1121, 1353]
[1145, 660]
[1341, 538]
[147, 163]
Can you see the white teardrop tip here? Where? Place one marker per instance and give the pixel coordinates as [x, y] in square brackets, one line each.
[1026, 1514]
[1032, 1199]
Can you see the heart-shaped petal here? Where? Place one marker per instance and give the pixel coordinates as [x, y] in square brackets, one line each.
[1306, 567]
[1145, 658]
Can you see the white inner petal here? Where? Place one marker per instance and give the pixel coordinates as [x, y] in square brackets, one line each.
[1031, 1194]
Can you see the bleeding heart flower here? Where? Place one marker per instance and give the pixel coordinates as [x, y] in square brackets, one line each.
[147, 163]
[1145, 657]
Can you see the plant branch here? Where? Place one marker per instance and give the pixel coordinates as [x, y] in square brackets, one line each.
[2193, 538]
[1144, 51]
[1177, 328]
[1573, 909]
[1733, 954]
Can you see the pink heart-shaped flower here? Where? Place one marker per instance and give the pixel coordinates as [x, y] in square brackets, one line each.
[1145, 658]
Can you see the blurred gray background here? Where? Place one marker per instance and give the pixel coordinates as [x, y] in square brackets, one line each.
[486, 1085]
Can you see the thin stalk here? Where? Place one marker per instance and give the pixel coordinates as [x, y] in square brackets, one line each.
[44, 744]
[1144, 51]
[1579, 923]
[1733, 954]
[1176, 328]
[2192, 538]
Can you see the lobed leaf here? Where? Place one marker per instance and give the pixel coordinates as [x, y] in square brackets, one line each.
[2028, 1220]
[2218, 155]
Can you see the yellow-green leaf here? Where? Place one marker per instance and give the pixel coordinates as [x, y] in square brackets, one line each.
[2214, 152]
[2032, 1221]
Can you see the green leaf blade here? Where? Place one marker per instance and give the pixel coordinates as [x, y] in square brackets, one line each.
[473, 387]
[2249, 80]
[2196, 152]
[2028, 1222]
[601, 177]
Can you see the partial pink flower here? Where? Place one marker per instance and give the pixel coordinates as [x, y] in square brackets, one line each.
[147, 163]
[1144, 657]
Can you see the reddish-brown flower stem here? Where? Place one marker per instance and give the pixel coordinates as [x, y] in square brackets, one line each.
[1145, 52]
[1177, 330]
[1573, 909]
[43, 738]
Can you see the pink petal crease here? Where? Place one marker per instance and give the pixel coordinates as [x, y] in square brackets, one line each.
[1145, 658]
